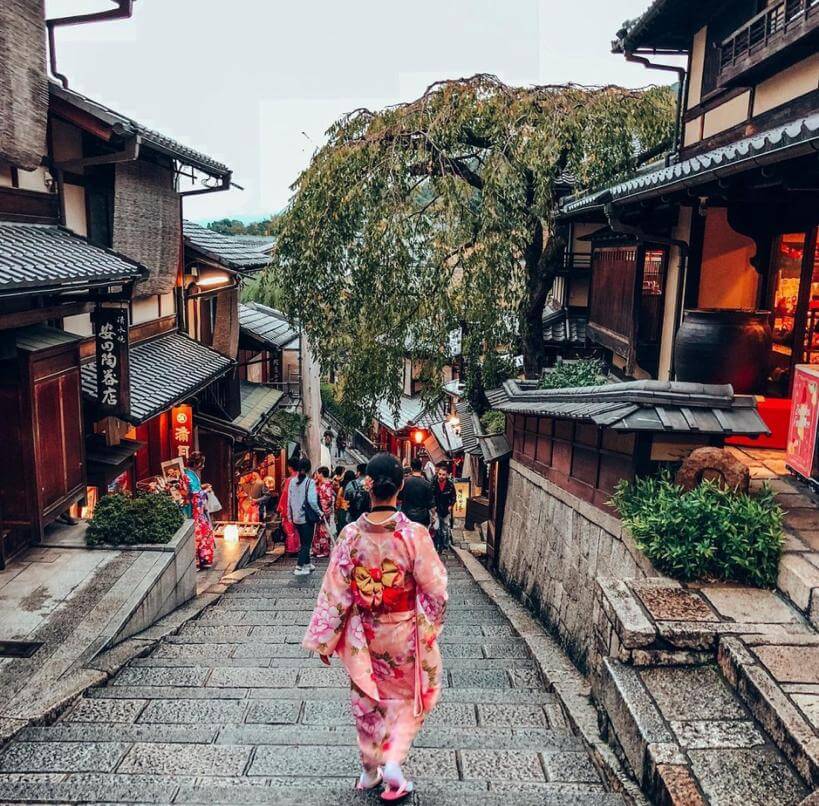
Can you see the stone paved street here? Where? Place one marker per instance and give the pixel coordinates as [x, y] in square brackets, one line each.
[231, 710]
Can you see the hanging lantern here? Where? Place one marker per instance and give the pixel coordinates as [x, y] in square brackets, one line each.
[231, 533]
[418, 436]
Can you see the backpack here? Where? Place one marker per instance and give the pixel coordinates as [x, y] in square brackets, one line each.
[359, 503]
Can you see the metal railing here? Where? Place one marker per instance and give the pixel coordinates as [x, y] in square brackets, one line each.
[578, 261]
[765, 29]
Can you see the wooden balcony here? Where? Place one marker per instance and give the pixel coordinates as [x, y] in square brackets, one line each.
[761, 44]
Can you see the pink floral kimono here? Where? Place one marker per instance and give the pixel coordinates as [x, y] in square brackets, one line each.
[381, 609]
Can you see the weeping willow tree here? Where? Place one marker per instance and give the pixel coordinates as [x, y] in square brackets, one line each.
[441, 213]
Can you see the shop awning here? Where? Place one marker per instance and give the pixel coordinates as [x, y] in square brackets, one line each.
[232, 253]
[164, 371]
[798, 138]
[259, 401]
[106, 462]
[49, 257]
[266, 325]
[653, 406]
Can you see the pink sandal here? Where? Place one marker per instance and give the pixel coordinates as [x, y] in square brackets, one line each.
[395, 795]
[378, 781]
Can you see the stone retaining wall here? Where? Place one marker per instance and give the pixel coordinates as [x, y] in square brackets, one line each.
[553, 547]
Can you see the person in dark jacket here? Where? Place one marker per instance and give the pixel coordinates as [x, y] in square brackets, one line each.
[356, 495]
[416, 496]
[444, 496]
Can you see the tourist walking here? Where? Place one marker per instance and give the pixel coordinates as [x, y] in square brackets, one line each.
[380, 609]
[342, 504]
[196, 495]
[304, 512]
[291, 535]
[443, 491]
[416, 496]
[357, 495]
[323, 537]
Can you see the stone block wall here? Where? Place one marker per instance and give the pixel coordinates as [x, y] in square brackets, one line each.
[553, 547]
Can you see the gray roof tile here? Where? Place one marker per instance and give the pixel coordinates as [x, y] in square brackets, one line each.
[258, 402]
[164, 371]
[151, 137]
[266, 324]
[790, 140]
[45, 255]
[230, 252]
[659, 406]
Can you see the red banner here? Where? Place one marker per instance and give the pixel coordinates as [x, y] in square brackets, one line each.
[804, 418]
[182, 431]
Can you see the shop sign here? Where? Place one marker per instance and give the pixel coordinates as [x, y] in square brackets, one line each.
[113, 386]
[182, 431]
[462, 488]
[802, 430]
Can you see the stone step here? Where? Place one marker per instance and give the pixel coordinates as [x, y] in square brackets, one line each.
[281, 791]
[689, 739]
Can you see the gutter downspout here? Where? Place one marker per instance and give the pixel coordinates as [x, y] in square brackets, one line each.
[123, 11]
[682, 74]
[643, 236]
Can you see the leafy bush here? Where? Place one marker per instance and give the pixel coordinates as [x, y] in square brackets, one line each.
[706, 533]
[493, 422]
[120, 519]
[569, 374]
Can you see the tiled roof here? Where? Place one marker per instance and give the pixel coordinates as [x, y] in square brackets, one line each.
[262, 243]
[229, 252]
[454, 388]
[411, 411]
[791, 140]
[447, 438]
[45, 255]
[489, 447]
[561, 327]
[164, 371]
[665, 25]
[656, 406]
[258, 402]
[153, 139]
[41, 337]
[266, 324]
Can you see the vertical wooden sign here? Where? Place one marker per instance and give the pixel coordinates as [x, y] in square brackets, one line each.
[113, 380]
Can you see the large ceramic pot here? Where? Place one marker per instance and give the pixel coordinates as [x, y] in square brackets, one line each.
[724, 346]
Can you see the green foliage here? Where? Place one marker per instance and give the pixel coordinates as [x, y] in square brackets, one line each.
[264, 289]
[493, 422]
[570, 374]
[281, 427]
[706, 533]
[120, 519]
[419, 218]
[351, 417]
[233, 226]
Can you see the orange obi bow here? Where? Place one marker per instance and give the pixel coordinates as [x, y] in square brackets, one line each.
[370, 582]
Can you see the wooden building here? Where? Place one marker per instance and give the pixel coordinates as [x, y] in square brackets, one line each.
[725, 226]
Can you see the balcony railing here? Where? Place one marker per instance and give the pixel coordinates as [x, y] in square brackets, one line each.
[774, 28]
[578, 261]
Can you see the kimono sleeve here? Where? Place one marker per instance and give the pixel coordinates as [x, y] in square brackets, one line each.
[334, 602]
[431, 581]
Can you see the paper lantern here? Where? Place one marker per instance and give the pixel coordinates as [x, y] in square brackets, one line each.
[231, 533]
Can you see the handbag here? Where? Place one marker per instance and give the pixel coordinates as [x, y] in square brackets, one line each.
[212, 503]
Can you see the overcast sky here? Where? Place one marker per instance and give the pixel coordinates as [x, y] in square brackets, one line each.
[255, 83]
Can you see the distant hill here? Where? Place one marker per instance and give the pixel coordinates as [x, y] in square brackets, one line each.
[245, 226]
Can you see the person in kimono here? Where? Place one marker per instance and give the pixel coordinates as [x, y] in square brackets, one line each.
[197, 497]
[380, 610]
[322, 538]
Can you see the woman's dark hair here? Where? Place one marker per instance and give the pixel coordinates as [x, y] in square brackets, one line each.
[323, 471]
[338, 470]
[387, 476]
[293, 463]
[416, 464]
[196, 461]
[303, 467]
[349, 476]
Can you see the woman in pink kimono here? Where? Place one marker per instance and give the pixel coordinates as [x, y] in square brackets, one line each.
[380, 609]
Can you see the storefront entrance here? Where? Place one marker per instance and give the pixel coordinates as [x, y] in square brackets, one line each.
[794, 301]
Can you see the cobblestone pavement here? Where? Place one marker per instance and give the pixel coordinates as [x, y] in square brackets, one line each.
[232, 710]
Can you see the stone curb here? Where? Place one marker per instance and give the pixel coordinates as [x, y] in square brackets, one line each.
[561, 676]
[105, 665]
[790, 731]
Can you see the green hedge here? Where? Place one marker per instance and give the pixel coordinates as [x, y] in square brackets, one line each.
[120, 519]
[708, 533]
[571, 374]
